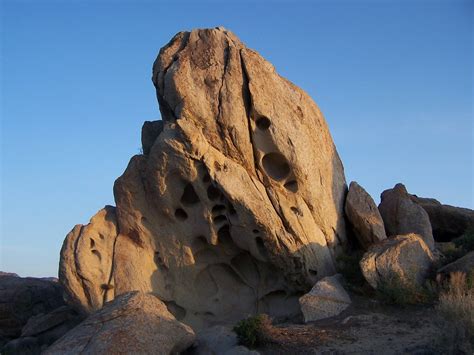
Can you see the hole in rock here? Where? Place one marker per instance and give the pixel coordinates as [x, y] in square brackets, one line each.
[276, 166]
[291, 186]
[213, 193]
[296, 211]
[223, 235]
[189, 196]
[261, 247]
[106, 286]
[219, 219]
[232, 210]
[313, 272]
[218, 209]
[255, 231]
[263, 123]
[206, 178]
[92, 243]
[180, 214]
[96, 253]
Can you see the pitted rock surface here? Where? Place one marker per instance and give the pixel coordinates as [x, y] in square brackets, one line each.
[236, 205]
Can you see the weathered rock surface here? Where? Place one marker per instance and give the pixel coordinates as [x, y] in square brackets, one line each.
[406, 257]
[448, 222]
[464, 264]
[23, 298]
[326, 299]
[364, 216]
[133, 323]
[402, 216]
[85, 266]
[235, 208]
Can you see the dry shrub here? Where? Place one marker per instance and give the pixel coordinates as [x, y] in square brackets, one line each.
[456, 303]
[253, 331]
[399, 291]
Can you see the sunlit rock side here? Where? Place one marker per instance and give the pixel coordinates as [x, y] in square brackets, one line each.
[236, 205]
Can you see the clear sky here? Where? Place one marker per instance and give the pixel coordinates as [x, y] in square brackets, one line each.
[393, 78]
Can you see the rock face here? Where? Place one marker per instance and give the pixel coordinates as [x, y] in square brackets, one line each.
[448, 222]
[218, 340]
[134, 323]
[402, 216]
[364, 216]
[23, 298]
[326, 299]
[464, 264]
[406, 257]
[235, 208]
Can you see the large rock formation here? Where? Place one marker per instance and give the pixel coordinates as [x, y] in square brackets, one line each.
[236, 205]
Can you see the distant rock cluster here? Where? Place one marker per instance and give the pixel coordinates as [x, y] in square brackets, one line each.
[237, 206]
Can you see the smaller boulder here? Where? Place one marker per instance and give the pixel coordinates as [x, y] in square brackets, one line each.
[406, 257]
[364, 216]
[133, 323]
[401, 215]
[464, 264]
[326, 299]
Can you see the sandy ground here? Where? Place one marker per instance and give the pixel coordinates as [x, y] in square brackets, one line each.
[369, 327]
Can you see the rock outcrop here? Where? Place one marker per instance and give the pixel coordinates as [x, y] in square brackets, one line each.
[402, 258]
[22, 298]
[133, 323]
[403, 216]
[326, 299]
[448, 222]
[364, 216]
[464, 264]
[236, 205]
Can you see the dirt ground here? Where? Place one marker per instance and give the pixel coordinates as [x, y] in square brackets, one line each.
[369, 327]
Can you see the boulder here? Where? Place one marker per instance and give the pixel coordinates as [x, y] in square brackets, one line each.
[133, 323]
[22, 298]
[405, 257]
[48, 328]
[403, 216]
[237, 207]
[326, 299]
[364, 216]
[464, 264]
[448, 222]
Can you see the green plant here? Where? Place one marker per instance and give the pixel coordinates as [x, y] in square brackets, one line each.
[398, 291]
[251, 331]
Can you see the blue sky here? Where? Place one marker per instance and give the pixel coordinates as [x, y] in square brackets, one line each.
[393, 78]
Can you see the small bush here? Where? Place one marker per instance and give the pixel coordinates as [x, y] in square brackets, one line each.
[405, 292]
[251, 332]
[456, 303]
